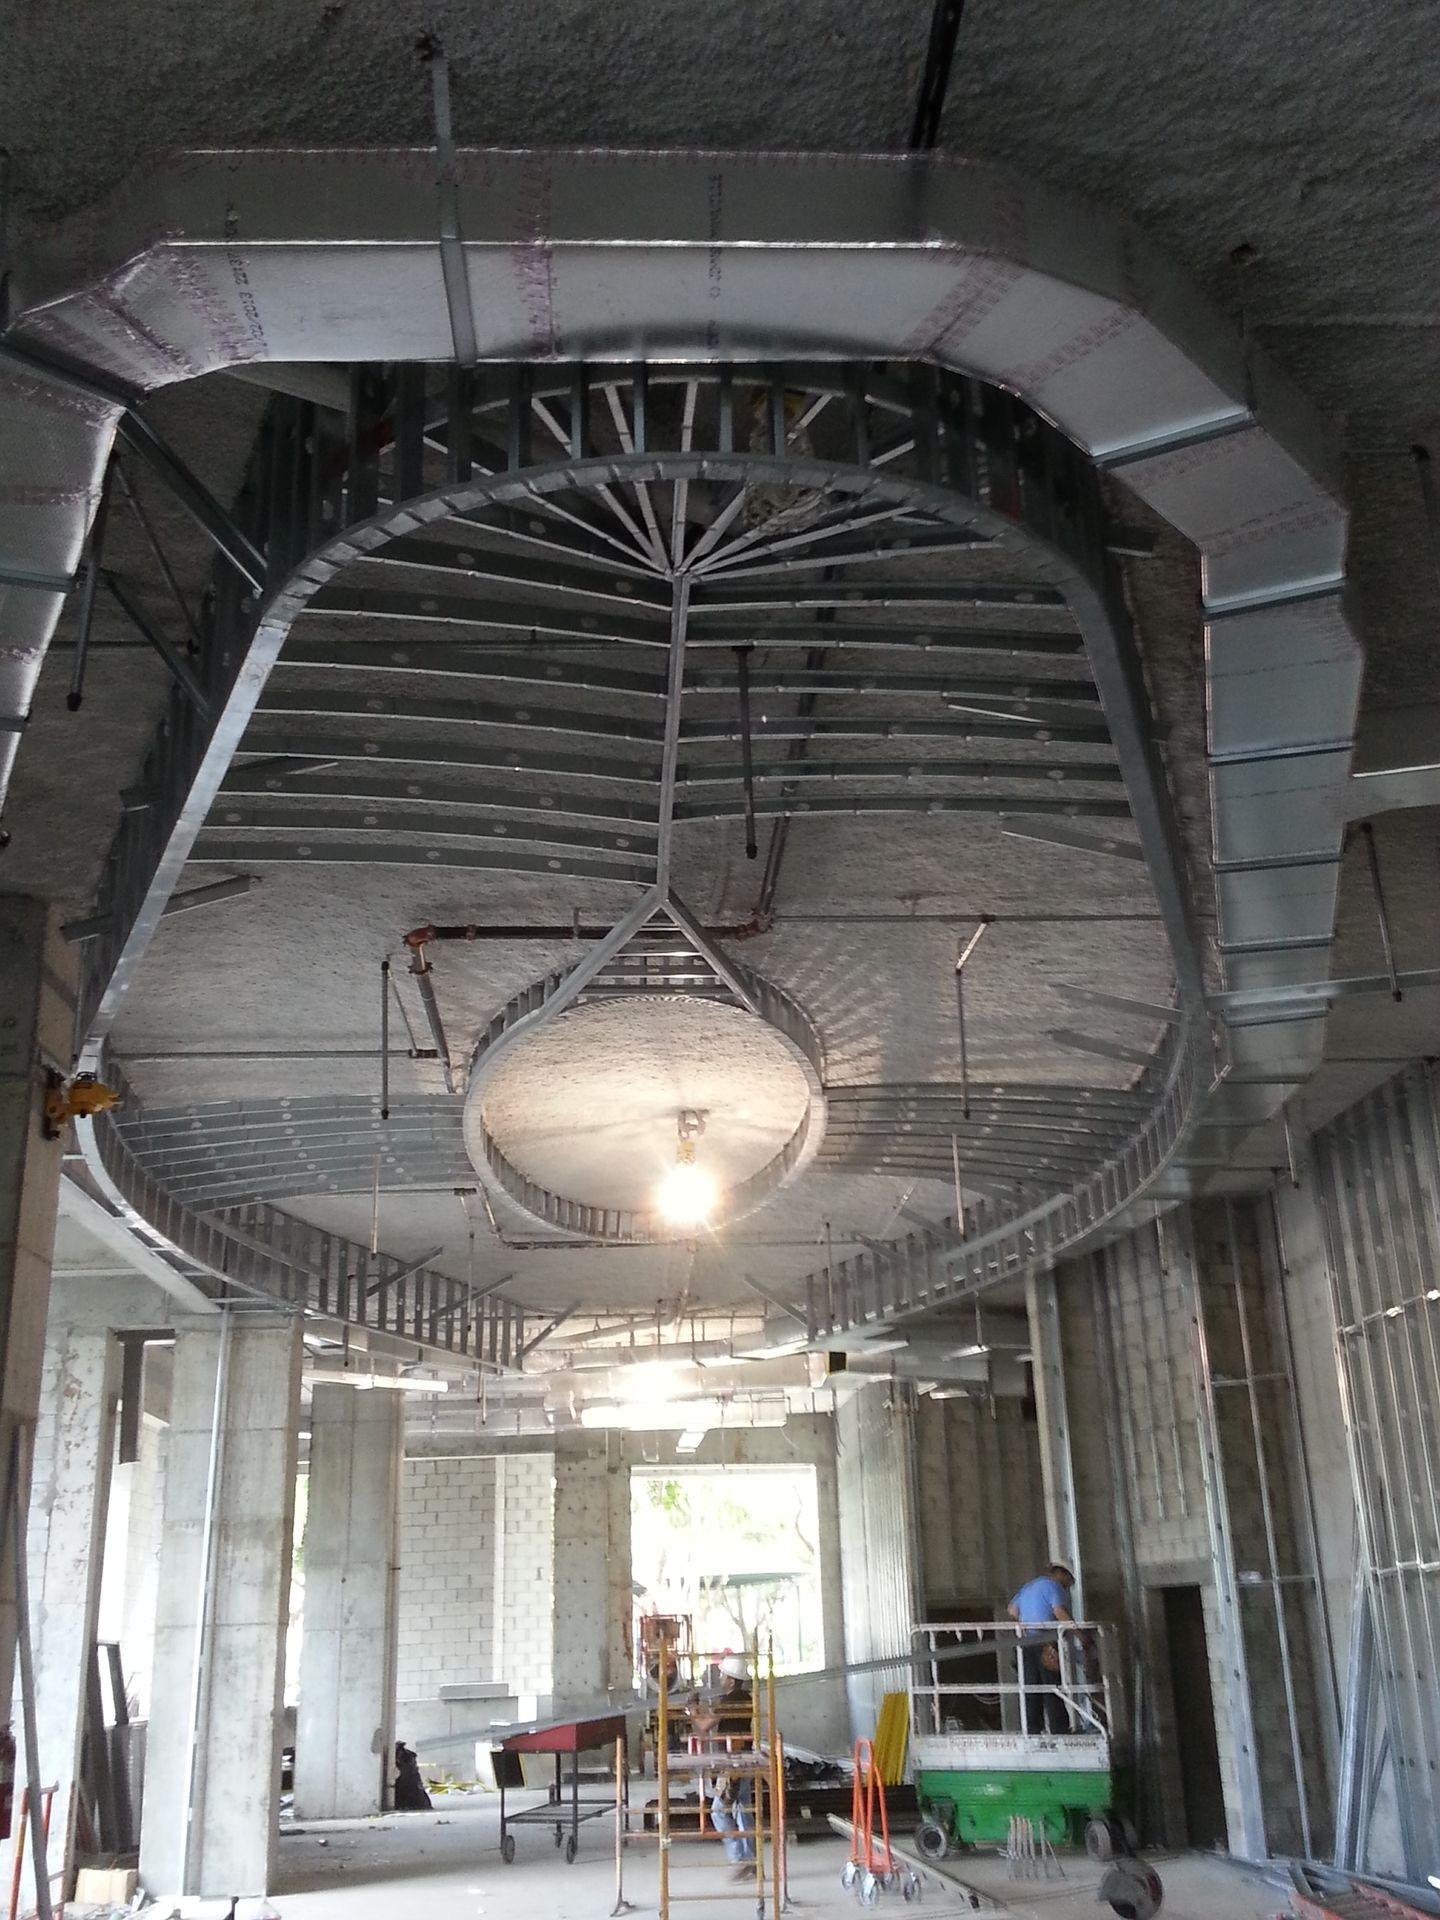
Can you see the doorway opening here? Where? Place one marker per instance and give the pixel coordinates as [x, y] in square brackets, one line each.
[1195, 1745]
[733, 1553]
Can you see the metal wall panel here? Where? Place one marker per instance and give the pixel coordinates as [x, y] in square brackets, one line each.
[1379, 1181]
[874, 1434]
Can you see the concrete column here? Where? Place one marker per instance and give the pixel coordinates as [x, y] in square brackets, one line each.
[75, 1444]
[216, 1714]
[345, 1728]
[37, 1017]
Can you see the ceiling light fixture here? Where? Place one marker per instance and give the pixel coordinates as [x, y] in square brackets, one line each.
[687, 1195]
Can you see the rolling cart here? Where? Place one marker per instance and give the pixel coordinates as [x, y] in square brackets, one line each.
[558, 1737]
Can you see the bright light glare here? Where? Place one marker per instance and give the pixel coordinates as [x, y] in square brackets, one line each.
[687, 1195]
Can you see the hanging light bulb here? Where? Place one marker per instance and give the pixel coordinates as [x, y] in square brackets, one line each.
[687, 1195]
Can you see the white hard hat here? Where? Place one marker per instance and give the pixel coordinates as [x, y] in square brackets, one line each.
[735, 1667]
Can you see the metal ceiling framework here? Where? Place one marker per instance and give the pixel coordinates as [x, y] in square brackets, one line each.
[694, 259]
[239, 1250]
[592, 573]
[694, 513]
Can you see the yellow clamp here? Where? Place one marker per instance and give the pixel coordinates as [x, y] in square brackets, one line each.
[80, 1098]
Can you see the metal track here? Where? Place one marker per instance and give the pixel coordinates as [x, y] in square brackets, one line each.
[250, 1250]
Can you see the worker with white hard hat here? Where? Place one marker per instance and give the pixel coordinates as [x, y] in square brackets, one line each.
[730, 1719]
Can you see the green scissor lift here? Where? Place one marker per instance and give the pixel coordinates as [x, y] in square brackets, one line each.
[976, 1768]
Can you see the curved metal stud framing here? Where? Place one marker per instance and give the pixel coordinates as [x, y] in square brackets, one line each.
[248, 1249]
[798, 539]
[528, 1010]
[667, 551]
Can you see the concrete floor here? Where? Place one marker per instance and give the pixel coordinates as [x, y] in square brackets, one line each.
[448, 1865]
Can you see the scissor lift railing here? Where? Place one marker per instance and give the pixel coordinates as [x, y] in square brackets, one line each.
[940, 1705]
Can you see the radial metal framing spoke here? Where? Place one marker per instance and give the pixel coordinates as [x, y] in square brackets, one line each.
[633, 442]
[753, 556]
[670, 753]
[650, 549]
[518, 526]
[724, 519]
[635, 549]
[680, 492]
[765, 541]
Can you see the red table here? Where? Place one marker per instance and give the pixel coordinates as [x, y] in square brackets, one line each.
[574, 1736]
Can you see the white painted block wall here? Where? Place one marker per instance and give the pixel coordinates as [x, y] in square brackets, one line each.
[523, 1655]
[476, 1581]
[447, 1575]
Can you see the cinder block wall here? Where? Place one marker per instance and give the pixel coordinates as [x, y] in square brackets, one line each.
[566, 1594]
[523, 1655]
[447, 1575]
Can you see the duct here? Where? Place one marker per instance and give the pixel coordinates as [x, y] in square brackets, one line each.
[986, 1376]
[54, 447]
[222, 260]
[932, 1345]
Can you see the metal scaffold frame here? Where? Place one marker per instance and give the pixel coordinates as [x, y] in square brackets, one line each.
[761, 1761]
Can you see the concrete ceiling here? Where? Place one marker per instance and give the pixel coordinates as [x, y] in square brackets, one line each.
[1283, 160]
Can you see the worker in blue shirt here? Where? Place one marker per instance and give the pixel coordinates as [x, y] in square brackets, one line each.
[1037, 1606]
